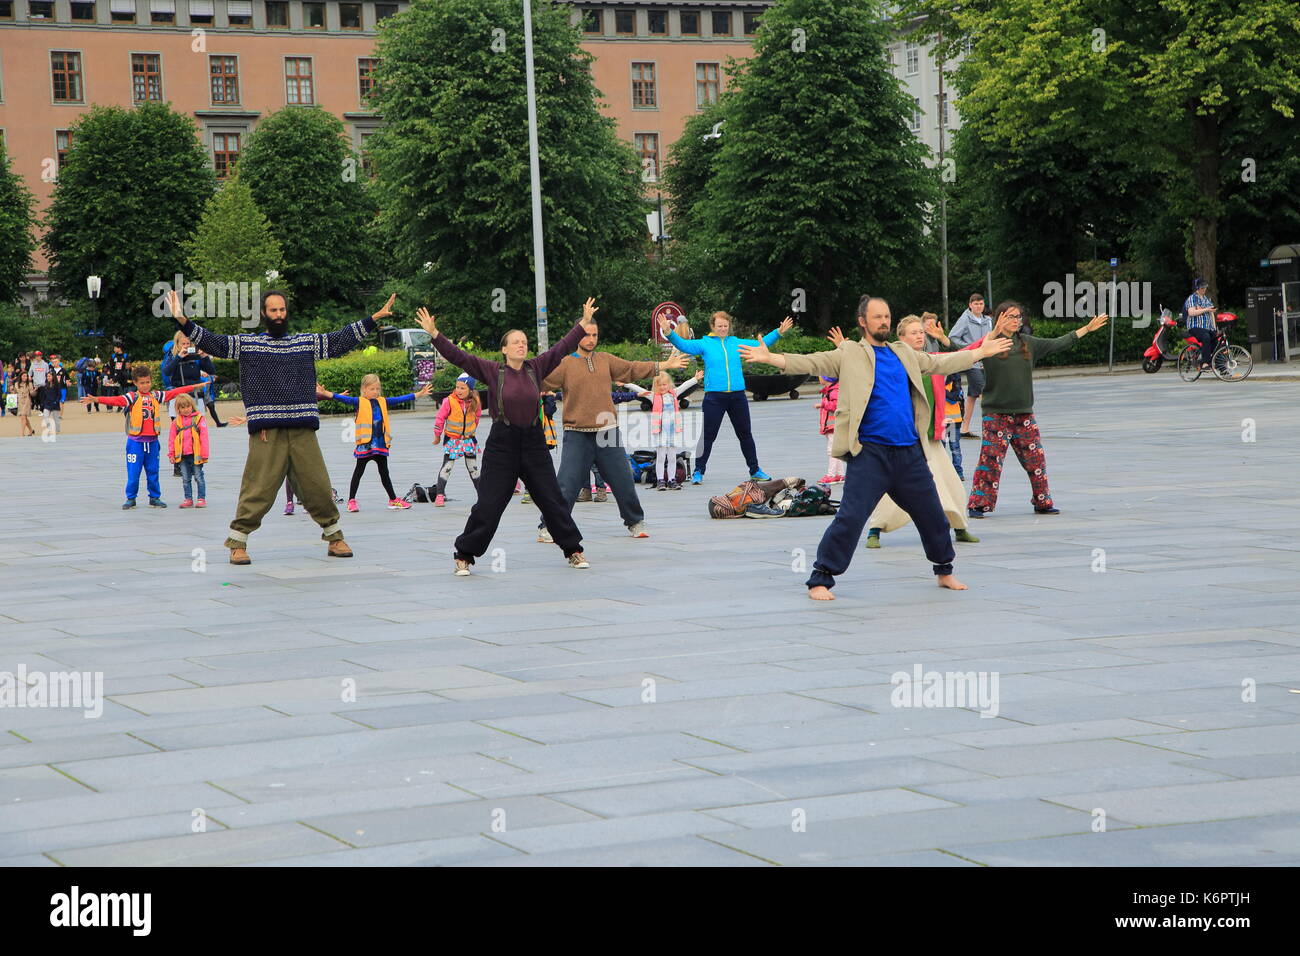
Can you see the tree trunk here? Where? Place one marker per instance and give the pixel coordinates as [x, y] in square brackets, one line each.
[1205, 177]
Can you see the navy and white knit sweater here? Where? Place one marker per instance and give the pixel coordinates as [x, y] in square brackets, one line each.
[277, 377]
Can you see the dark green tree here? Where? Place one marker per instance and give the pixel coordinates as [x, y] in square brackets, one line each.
[309, 183]
[691, 163]
[819, 184]
[130, 191]
[452, 164]
[17, 240]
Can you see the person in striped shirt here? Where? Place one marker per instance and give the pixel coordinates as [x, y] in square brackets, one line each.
[1200, 320]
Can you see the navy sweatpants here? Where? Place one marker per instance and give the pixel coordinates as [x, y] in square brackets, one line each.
[901, 472]
[735, 406]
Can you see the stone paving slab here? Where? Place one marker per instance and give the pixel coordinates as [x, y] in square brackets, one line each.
[679, 702]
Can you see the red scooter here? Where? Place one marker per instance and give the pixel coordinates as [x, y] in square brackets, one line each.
[1168, 342]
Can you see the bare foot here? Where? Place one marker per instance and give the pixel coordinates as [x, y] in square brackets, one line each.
[820, 593]
[948, 581]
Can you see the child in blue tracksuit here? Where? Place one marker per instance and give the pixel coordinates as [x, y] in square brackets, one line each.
[144, 415]
[724, 386]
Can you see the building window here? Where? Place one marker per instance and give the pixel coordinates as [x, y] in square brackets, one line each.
[350, 16]
[367, 161]
[62, 143]
[239, 13]
[146, 77]
[223, 71]
[751, 23]
[942, 110]
[162, 11]
[225, 153]
[625, 22]
[297, 81]
[721, 23]
[366, 77]
[707, 84]
[385, 10]
[647, 150]
[915, 124]
[913, 58]
[643, 85]
[313, 16]
[593, 20]
[122, 11]
[277, 14]
[6, 10]
[83, 12]
[690, 24]
[657, 21]
[201, 13]
[66, 70]
[40, 11]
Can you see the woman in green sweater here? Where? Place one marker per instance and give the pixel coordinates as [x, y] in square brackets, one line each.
[1009, 410]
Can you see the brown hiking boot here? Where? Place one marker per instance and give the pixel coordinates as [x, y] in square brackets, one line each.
[240, 556]
[339, 549]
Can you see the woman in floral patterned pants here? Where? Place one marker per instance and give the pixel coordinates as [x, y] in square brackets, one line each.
[1020, 432]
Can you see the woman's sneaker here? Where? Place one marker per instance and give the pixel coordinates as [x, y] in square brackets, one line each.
[439, 502]
[576, 560]
[674, 485]
[201, 503]
[397, 504]
[462, 568]
[697, 477]
[963, 535]
[828, 479]
[187, 503]
[288, 508]
[638, 530]
[544, 536]
[873, 538]
[352, 505]
[662, 486]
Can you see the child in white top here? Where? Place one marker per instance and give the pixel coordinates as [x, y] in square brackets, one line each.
[668, 435]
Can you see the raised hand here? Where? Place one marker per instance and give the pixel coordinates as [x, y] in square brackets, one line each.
[933, 328]
[786, 325]
[665, 326]
[589, 309]
[1096, 322]
[699, 376]
[174, 302]
[427, 321]
[387, 310]
[427, 390]
[835, 335]
[994, 345]
[679, 360]
[756, 353]
[322, 393]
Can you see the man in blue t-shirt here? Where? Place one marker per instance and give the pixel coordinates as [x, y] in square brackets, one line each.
[881, 383]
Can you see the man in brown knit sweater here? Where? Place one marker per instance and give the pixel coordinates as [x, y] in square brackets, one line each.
[590, 431]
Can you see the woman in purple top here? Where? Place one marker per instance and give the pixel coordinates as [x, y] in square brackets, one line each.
[516, 445]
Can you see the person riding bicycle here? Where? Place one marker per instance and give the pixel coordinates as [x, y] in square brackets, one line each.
[1198, 312]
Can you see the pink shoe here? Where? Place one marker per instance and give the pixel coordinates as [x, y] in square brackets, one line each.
[187, 503]
[397, 504]
[288, 508]
[440, 502]
[352, 505]
[201, 503]
[828, 479]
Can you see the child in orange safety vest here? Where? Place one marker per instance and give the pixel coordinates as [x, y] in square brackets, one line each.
[188, 447]
[374, 438]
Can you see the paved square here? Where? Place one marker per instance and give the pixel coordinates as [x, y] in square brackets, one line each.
[682, 702]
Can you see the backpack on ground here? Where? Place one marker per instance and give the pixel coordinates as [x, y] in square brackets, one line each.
[417, 495]
[812, 500]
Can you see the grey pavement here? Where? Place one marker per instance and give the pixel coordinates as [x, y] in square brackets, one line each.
[682, 702]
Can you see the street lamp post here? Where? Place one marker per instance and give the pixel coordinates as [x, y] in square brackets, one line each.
[535, 177]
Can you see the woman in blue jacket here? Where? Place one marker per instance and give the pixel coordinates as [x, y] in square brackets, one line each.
[724, 386]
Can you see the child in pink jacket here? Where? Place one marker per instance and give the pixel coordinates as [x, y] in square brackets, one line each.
[826, 422]
[188, 446]
[454, 428]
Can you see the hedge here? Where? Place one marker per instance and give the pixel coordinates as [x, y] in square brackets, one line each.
[1094, 347]
[345, 374]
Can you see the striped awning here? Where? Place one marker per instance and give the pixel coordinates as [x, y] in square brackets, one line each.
[239, 8]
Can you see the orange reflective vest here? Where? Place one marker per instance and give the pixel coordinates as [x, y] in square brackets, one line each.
[135, 413]
[365, 421]
[196, 441]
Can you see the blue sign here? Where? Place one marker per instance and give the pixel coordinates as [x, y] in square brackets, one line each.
[1114, 263]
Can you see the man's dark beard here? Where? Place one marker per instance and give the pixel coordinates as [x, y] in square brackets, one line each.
[277, 327]
[878, 340]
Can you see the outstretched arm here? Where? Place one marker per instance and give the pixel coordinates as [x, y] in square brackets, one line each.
[817, 363]
[173, 392]
[548, 360]
[340, 343]
[480, 368]
[223, 346]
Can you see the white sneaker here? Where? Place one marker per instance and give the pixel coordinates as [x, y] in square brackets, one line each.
[462, 568]
[638, 530]
[544, 536]
[576, 560]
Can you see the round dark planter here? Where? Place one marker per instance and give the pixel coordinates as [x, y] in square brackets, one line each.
[763, 387]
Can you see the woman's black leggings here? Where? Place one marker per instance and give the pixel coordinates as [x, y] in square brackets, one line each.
[382, 462]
